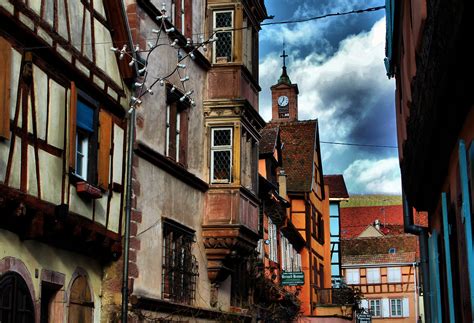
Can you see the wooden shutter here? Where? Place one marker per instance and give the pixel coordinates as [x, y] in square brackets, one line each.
[105, 140]
[385, 307]
[5, 71]
[72, 127]
[364, 303]
[406, 307]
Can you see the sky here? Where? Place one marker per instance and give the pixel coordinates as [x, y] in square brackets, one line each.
[337, 63]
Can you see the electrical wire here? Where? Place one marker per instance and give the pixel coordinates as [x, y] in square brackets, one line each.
[357, 144]
[273, 23]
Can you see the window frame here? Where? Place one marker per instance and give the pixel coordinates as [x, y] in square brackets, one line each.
[352, 271]
[273, 245]
[222, 148]
[176, 128]
[223, 29]
[391, 280]
[171, 251]
[371, 281]
[90, 167]
[400, 302]
[375, 313]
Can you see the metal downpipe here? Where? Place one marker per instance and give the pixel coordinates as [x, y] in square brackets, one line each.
[422, 233]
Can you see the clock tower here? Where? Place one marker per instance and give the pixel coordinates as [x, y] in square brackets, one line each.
[284, 97]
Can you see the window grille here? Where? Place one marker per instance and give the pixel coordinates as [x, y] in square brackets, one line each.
[223, 25]
[221, 155]
[180, 267]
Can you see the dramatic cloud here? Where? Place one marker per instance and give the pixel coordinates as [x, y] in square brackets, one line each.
[374, 176]
[349, 93]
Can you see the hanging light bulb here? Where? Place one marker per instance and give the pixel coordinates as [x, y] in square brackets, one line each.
[150, 91]
[193, 103]
[136, 100]
[192, 56]
[189, 42]
[184, 79]
[155, 31]
[189, 92]
[138, 84]
[174, 43]
[150, 44]
[137, 48]
[169, 30]
[172, 89]
[181, 99]
[131, 62]
[114, 49]
[162, 82]
[142, 70]
[181, 65]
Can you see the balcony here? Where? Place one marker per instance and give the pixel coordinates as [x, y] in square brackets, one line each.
[337, 302]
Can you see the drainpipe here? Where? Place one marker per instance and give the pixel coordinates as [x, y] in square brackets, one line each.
[422, 233]
[128, 194]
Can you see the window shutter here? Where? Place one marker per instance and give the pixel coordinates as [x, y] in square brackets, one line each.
[5, 71]
[364, 303]
[72, 126]
[385, 307]
[105, 139]
[406, 307]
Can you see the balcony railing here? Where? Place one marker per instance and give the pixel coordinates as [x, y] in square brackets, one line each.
[336, 296]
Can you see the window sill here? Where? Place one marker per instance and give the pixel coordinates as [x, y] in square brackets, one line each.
[87, 190]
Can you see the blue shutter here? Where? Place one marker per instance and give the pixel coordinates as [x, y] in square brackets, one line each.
[449, 278]
[434, 278]
[466, 216]
[85, 117]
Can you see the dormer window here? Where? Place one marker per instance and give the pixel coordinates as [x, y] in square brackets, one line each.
[223, 27]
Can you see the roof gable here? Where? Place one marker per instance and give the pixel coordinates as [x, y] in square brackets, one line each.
[370, 232]
[299, 144]
[337, 186]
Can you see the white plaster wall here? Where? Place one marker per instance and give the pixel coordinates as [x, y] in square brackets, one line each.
[36, 255]
[164, 196]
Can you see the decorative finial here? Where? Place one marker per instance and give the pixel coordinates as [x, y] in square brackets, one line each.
[284, 55]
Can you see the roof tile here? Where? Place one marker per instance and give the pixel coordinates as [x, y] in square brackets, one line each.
[337, 186]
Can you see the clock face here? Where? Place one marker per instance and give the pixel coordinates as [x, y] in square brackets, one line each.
[283, 101]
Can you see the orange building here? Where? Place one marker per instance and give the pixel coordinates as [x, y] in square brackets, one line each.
[309, 202]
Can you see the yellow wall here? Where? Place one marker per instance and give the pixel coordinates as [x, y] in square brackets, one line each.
[38, 256]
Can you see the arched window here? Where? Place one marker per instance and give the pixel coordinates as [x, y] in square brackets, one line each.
[16, 305]
[81, 305]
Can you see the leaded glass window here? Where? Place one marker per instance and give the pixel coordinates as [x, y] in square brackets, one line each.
[221, 155]
[223, 25]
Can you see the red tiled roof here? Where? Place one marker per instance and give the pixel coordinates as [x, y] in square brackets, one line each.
[269, 139]
[298, 139]
[354, 220]
[376, 249]
[405, 257]
[337, 186]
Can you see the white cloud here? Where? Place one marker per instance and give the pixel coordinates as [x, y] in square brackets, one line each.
[328, 86]
[374, 176]
[351, 96]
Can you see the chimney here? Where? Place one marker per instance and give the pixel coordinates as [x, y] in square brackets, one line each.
[282, 183]
[377, 224]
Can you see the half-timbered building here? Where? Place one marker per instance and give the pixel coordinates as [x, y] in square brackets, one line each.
[63, 103]
[194, 223]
